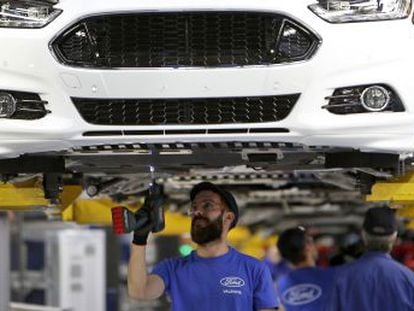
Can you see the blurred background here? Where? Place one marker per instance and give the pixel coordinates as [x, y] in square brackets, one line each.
[77, 263]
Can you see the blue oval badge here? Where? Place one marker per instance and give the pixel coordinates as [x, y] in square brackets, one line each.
[301, 294]
[232, 281]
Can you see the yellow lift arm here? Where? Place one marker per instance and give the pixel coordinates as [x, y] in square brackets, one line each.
[398, 192]
[29, 196]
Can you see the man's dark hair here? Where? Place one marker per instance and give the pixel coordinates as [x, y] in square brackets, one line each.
[291, 244]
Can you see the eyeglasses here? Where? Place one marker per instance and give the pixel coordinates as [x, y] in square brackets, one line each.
[203, 207]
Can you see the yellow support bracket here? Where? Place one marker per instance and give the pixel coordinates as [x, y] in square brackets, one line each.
[29, 195]
[395, 190]
[398, 192]
[398, 189]
[17, 198]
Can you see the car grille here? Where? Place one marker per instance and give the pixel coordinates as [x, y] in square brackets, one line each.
[185, 111]
[206, 39]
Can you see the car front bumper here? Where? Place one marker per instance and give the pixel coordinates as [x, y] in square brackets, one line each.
[348, 55]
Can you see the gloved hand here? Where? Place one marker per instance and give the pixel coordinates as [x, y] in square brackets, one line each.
[150, 217]
[146, 216]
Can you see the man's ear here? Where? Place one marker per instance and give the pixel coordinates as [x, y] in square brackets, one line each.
[229, 217]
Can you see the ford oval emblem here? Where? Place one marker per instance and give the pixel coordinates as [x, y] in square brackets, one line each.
[301, 294]
[232, 281]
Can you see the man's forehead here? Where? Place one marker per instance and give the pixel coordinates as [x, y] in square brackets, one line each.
[206, 195]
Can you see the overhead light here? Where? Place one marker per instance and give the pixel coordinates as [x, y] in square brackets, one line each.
[7, 105]
[375, 98]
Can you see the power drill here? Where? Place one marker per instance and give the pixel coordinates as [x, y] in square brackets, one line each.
[151, 213]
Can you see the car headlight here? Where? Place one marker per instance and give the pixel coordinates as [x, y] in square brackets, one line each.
[27, 13]
[345, 11]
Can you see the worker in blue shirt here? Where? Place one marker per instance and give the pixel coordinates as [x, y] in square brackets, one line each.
[215, 276]
[306, 287]
[375, 281]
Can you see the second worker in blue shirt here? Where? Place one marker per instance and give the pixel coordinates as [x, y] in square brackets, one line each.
[306, 287]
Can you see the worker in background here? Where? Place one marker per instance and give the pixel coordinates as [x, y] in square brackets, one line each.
[306, 287]
[375, 281]
[213, 277]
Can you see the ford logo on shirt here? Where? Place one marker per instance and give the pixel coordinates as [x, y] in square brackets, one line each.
[232, 281]
[301, 294]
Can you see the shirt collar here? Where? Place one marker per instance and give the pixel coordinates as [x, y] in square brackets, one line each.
[376, 254]
[213, 259]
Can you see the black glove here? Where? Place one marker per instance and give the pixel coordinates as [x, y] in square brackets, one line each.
[150, 217]
[145, 217]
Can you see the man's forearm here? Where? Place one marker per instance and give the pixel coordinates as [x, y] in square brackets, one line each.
[137, 272]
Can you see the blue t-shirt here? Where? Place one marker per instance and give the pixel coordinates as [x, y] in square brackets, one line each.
[374, 282]
[233, 281]
[305, 289]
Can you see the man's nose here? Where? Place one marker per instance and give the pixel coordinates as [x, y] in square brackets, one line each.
[197, 212]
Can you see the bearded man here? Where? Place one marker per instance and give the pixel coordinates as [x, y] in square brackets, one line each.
[213, 277]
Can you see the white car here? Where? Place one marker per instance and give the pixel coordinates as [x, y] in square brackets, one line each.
[99, 75]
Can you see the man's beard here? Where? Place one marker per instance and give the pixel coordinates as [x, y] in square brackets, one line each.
[210, 231]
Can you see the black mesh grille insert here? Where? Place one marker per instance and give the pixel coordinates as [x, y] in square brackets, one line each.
[185, 111]
[184, 39]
